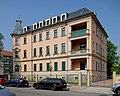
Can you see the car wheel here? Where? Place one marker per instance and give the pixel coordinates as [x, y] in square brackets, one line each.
[18, 85]
[7, 84]
[118, 92]
[36, 86]
[53, 88]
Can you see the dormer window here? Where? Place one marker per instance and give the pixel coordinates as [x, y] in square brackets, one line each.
[48, 22]
[54, 19]
[41, 24]
[63, 16]
[35, 26]
[25, 29]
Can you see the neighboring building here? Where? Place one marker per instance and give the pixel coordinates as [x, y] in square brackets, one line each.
[68, 44]
[6, 66]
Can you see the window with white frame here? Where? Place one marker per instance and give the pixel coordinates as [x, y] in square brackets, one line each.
[34, 38]
[55, 33]
[47, 35]
[47, 50]
[16, 40]
[63, 31]
[56, 49]
[63, 16]
[63, 48]
[40, 36]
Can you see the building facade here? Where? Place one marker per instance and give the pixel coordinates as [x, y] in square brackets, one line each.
[70, 43]
[6, 65]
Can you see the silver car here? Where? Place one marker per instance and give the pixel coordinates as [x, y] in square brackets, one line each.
[116, 89]
[6, 92]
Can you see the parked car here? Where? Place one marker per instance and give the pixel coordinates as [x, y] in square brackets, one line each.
[6, 92]
[3, 81]
[116, 89]
[17, 82]
[51, 83]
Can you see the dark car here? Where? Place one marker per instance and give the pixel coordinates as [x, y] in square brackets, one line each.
[116, 89]
[17, 82]
[51, 83]
[6, 92]
[3, 81]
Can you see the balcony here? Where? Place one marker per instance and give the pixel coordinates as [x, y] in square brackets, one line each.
[78, 33]
[78, 52]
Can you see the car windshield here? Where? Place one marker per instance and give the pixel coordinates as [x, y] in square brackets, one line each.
[1, 87]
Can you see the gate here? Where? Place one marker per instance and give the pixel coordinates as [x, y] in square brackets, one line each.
[84, 79]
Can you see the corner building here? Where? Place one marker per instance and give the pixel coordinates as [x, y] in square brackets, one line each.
[70, 43]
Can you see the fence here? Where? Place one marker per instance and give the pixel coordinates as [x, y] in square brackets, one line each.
[100, 79]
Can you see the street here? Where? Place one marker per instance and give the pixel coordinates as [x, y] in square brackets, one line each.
[30, 91]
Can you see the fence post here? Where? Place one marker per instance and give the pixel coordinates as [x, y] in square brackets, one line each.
[114, 77]
[88, 78]
[80, 78]
[36, 78]
[9, 77]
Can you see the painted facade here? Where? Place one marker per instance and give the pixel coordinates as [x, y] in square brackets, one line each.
[70, 43]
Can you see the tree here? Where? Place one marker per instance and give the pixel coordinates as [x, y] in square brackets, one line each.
[1, 42]
[1, 47]
[112, 58]
[116, 67]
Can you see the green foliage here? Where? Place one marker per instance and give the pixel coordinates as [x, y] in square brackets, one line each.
[112, 58]
[1, 42]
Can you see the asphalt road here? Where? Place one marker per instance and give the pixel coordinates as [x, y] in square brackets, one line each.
[30, 91]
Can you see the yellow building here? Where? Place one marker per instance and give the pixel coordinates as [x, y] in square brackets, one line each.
[70, 43]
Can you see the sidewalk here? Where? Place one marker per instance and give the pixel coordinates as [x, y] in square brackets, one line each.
[100, 90]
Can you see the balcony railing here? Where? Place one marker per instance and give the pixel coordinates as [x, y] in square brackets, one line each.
[77, 52]
[78, 32]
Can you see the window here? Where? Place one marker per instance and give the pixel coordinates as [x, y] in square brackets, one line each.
[63, 66]
[25, 68]
[48, 50]
[35, 52]
[55, 66]
[55, 33]
[63, 47]
[97, 67]
[96, 47]
[35, 67]
[40, 51]
[40, 66]
[97, 31]
[82, 65]
[56, 49]
[16, 41]
[63, 17]
[48, 66]
[25, 41]
[40, 37]
[34, 38]
[54, 20]
[16, 54]
[63, 31]
[35, 27]
[25, 54]
[47, 35]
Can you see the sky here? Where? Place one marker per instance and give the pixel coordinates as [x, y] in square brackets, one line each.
[32, 11]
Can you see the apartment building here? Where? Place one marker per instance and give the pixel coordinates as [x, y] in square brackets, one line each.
[6, 64]
[69, 43]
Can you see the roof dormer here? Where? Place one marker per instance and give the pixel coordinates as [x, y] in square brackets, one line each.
[25, 29]
[55, 19]
[41, 24]
[35, 26]
[47, 22]
[63, 16]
